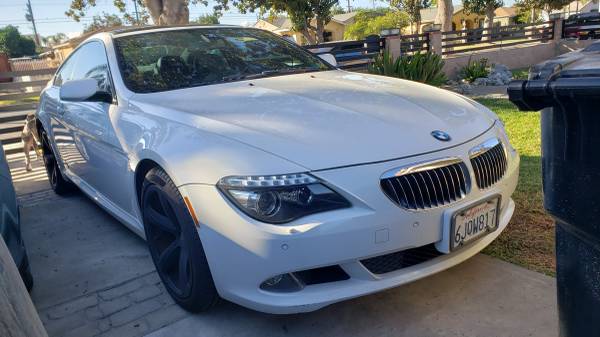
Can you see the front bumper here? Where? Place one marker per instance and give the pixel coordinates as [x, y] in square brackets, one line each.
[243, 253]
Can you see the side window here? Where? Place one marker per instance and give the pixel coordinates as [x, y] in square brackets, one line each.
[66, 70]
[91, 63]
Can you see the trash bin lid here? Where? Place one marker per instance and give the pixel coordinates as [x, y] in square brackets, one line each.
[574, 74]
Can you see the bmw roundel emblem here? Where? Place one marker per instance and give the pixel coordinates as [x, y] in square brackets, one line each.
[440, 135]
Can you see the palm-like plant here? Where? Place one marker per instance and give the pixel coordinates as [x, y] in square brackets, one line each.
[421, 67]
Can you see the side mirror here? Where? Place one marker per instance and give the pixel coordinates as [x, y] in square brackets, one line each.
[83, 90]
[329, 58]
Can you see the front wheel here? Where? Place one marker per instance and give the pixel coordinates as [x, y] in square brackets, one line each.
[174, 244]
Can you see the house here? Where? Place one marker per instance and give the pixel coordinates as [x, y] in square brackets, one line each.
[334, 30]
[505, 16]
[61, 51]
[460, 20]
[572, 8]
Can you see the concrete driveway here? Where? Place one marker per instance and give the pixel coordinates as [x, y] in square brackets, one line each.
[95, 277]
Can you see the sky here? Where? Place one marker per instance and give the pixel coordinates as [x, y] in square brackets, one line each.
[51, 19]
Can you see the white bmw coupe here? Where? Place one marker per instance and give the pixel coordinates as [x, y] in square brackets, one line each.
[263, 175]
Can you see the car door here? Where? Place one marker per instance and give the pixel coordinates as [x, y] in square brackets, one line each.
[96, 156]
[52, 105]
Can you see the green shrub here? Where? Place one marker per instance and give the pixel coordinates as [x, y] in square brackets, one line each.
[474, 69]
[421, 67]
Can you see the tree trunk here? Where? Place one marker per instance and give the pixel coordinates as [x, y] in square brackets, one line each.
[320, 30]
[489, 24]
[444, 15]
[309, 38]
[168, 12]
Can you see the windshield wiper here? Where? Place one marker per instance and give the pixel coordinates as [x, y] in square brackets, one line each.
[268, 73]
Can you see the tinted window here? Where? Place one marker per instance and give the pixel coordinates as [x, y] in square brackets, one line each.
[65, 71]
[167, 60]
[91, 63]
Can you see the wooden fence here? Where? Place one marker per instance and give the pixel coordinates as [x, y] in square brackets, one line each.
[410, 44]
[463, 41]
[19, 97]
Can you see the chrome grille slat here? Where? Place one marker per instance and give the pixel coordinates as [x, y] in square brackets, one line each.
[495, 162]
[391, 183]
[489, 165]
[419, 192]
[447, 189]
[427, 185]
[449, 178]
[403, 191]
[435, 197]
[414, 199]
[429, 201]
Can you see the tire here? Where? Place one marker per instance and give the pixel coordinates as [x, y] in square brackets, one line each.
[59, 184]
[174, 244]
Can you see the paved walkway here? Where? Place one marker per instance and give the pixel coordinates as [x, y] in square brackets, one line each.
[93, 277]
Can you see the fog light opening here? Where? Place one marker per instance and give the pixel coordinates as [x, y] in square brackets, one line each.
[284, 283]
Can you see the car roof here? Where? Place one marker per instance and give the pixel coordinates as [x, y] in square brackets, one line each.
[132, 30]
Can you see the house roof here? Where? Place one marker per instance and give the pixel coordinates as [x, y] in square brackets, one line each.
[283, 23]
[576, 6]
[429, 14]
[344, 18]
[505, 12]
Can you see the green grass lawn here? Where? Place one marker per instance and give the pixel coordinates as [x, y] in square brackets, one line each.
[31, 99]
[520, 74]
[529, 239]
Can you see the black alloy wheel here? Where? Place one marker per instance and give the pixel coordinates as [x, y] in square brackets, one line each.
[59, 184]
[175, 245]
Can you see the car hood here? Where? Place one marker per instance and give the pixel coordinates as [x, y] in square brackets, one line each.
[326, 119]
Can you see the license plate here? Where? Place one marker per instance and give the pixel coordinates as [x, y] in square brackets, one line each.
[473, 222]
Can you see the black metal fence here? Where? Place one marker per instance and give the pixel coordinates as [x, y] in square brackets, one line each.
[582, 26]
[351, 54]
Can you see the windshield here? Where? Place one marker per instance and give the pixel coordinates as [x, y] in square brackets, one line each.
[175, 59]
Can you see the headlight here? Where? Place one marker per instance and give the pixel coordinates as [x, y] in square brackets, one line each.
[280, 198]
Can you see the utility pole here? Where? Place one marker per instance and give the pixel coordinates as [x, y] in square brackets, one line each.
[29, 17]
[349, 7]
[137, 15]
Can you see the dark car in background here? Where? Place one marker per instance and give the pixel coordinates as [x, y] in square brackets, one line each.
[10, 227]
[582, 26]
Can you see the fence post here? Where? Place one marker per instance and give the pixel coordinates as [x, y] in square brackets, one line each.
[4, 67]
[392, 45]
[434, 43]
[557, 30]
